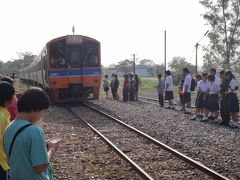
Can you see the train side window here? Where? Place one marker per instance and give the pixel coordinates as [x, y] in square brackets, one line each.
[44, 62]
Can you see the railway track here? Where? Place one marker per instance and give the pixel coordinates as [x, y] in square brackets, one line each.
[155, 102]
[150, 158]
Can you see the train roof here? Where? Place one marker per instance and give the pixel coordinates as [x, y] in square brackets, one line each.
[64, 37]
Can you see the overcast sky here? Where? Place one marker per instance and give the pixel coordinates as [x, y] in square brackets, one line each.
[123, 27]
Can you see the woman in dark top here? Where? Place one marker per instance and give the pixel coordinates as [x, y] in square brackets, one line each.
[136, 86]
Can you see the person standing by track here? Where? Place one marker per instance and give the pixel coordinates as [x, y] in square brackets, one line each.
[131, 88]
[232, 104]
[217, 82]
[136, 86]
[115, 87]
[186, 90]
[202, 94]
[225, 114]
[212, 102]
[160, 90]
[125, 87]
[106, 85]
[169, 89]
[112, 85]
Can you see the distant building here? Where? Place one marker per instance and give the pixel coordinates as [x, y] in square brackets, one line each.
[141, 71]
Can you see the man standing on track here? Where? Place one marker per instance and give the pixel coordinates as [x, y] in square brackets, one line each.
[186, 90]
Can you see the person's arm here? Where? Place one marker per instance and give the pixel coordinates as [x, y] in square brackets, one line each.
[40, 169]
[38, 150]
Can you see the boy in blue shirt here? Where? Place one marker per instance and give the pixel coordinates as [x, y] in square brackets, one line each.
[29, 158]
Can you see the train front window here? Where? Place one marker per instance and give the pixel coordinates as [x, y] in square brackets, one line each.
[57, 52]
[91, 55]
[74, 56]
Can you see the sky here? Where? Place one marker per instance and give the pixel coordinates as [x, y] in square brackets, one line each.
[124, 27]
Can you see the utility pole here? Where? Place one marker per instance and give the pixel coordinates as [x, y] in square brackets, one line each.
[196, 68]
[196, 46]
[73, 30]
[134, 65]
[165, 53]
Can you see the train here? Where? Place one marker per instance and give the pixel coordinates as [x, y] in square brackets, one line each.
[68, 68]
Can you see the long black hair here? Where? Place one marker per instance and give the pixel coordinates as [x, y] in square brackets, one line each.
[230, 74]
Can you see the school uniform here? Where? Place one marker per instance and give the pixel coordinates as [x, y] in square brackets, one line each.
[169, 88]
[187, 91]
[212, 102]
[201, 100]
[224, 112]
[233, 105]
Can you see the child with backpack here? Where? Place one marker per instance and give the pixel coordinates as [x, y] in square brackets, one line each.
[24, 142]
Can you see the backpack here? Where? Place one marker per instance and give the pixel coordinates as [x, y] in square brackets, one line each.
[193, 84]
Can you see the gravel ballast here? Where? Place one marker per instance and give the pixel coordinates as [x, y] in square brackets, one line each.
[82, 154]
[215, 146]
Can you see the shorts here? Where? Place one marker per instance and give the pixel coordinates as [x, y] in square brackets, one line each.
[186, 97]
[232, 103]
[106, 89]
[213, 103]
[169, 95]
[201, 101]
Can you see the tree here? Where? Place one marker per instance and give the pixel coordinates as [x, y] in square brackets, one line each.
[224, 19]
[147, 62]
[13, 66]
[125, 66]
[176, 65]
[160, 69]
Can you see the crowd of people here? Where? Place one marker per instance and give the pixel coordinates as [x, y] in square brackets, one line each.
[24, 152]
[214, 95]
[130, 86]
[216, 99]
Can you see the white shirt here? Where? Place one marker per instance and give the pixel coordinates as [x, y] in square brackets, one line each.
[217, 81]
[169, 81]
[187, 82]
[232, 85]
[203, 86]
[214, 87]
[105, 83]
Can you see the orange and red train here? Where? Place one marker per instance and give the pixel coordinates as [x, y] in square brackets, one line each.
[68, 68]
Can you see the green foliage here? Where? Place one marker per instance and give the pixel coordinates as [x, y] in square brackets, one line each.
[13, 66]
[148, 62]
[176, 66]
[148, 83]
[223, 16]
[160, 69]
[125, 66]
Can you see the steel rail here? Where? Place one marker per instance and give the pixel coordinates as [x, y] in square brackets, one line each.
[153, 99]
[144, 175]
[156, 100]
[185, 158]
